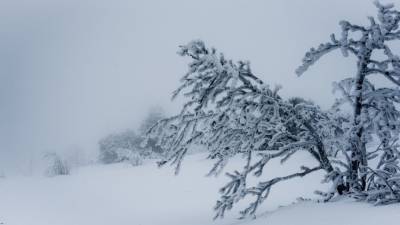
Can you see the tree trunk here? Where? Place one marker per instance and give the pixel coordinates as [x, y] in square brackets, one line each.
[358, 151]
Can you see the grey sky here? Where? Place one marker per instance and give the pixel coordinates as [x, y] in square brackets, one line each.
[72, 71]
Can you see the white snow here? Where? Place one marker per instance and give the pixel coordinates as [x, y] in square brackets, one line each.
[120, 194]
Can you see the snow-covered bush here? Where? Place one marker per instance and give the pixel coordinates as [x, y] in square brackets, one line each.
[127, 155]
[129, 145]
[231, 111]
[113, 147]
[124, 147]
[56, 165]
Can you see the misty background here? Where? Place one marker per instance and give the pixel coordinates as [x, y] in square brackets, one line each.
[72, 71]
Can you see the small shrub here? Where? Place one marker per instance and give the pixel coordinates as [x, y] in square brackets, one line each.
[57, 166]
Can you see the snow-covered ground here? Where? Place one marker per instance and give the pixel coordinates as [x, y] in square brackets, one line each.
[146, 195]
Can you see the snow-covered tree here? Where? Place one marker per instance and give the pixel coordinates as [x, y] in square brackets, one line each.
[373, 176]
[230, 111]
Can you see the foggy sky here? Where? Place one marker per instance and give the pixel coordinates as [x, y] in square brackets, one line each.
[72, 71]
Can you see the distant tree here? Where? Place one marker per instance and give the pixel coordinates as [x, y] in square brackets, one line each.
[56, 165]
[130, 146]
[154, 114]
[150, 144]
[375, 109]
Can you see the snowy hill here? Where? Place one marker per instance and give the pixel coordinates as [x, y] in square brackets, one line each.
[145, 195]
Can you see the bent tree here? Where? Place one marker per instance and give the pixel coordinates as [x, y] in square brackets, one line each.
[230, 112]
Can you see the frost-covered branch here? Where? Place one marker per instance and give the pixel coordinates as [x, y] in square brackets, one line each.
[236, 190]
[230, 111]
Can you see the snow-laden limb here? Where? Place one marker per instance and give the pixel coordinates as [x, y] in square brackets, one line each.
[375, 108]
[230, 111]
